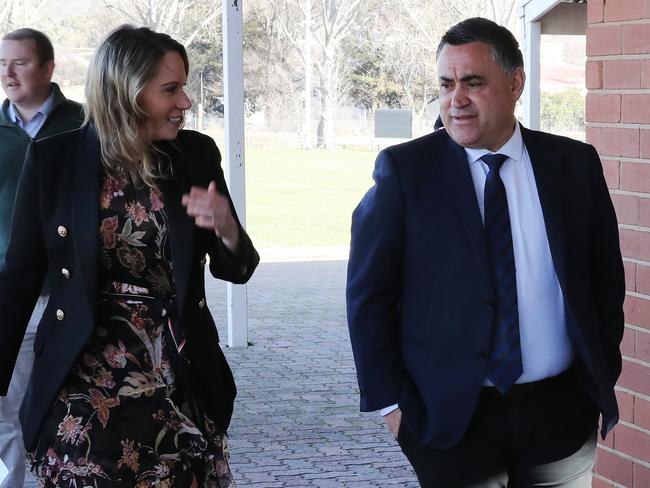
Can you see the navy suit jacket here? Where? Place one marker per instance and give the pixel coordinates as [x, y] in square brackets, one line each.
[420, 292]
[60, 186]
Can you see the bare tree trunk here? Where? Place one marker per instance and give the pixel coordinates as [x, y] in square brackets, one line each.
[338, 19]
[325, 136]
[306, 128]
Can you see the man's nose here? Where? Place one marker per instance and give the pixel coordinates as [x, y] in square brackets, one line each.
[9, 69]
[459, 97]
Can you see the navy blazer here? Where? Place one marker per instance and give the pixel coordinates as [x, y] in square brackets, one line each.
[56, 226]
[420, 290]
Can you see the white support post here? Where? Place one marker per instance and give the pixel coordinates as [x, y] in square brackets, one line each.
[233, 61]
[531, 13]
[532, 39]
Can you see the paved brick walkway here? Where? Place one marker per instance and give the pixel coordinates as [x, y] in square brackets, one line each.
[296, 421]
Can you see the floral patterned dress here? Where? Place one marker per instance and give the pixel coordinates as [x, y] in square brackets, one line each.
[118, 421]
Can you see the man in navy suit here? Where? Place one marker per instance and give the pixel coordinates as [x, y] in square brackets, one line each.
[485, 286]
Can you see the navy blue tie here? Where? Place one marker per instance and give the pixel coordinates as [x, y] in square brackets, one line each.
[504, 360]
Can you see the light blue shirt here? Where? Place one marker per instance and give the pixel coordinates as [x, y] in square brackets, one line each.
[545, 345]
[36, 123]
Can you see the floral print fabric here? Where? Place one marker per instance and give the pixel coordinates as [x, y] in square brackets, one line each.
[118, 421]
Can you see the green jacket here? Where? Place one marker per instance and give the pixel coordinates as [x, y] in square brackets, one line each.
[66, 115]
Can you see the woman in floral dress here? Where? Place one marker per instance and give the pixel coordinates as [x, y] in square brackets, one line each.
[141, 393]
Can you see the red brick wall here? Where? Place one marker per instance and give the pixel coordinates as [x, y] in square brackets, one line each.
[618, 125]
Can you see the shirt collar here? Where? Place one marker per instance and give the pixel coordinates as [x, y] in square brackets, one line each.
[44, 110]
[513, 148]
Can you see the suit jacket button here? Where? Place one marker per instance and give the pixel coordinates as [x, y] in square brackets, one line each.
[60, 314]
[202, 303]
[66, 273]
[203, 261]
[62, 231]
[482, 356]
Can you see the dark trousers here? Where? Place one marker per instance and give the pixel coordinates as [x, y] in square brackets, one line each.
[539, 434]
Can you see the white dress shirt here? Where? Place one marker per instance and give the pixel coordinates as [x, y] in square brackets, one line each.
[545, 345]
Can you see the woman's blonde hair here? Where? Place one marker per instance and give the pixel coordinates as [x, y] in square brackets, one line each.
[123, 63]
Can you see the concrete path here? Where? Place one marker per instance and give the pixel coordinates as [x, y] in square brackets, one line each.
[296, 421]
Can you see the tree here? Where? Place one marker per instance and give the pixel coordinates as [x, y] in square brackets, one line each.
[334, 21]
[205, 80]
[184, 20]
[500, 11]
[19, 13]
[371, 85]
[404, 39]
[272, 63]
[337, 19]
[563, 111]
[409, 40]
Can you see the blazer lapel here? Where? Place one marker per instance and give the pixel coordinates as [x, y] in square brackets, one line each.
[461, 191]
[85, 210]
[548, 168]
[181, 233]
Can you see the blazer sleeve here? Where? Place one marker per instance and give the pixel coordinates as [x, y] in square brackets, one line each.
[608, 279]
[236, 267]
[23, 274]
[374, 288]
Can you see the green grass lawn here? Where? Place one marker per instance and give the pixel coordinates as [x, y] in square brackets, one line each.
[297, 198]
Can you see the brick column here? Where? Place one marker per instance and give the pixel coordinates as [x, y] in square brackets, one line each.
[618, 125]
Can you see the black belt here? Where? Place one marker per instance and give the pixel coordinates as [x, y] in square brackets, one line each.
[565, 377]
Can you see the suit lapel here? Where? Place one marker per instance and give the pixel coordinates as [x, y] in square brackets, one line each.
[85, 210]
[181, 231]
[548, 168]
[461, 191]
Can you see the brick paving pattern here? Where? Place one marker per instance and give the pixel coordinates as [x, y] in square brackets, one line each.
[296, 421]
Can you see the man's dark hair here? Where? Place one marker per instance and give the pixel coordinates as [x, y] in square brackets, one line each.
[42, 43]
[505, 48]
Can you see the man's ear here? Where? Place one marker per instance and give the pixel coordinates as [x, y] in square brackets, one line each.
[517, 82]
[48, 67]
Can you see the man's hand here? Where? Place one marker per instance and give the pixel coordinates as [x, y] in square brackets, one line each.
[211, 210]
[393, 421]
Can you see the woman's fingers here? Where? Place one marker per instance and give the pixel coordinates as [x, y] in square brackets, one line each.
[210, 209]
